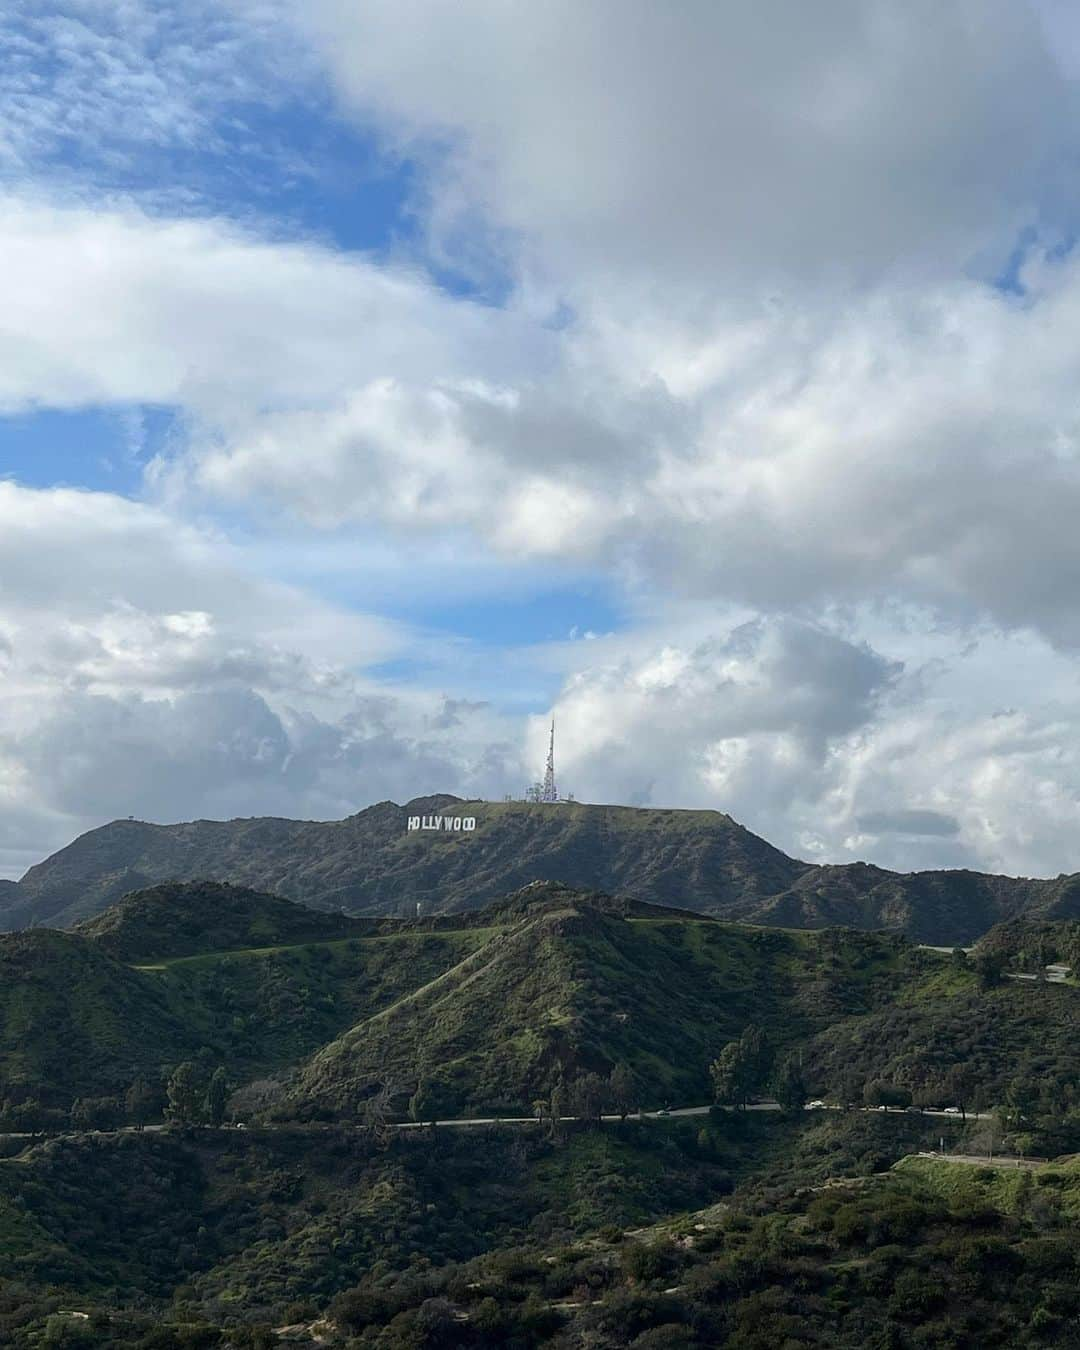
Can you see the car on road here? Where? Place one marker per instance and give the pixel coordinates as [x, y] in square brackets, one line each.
[664, 1111]
[814, 1106]
[952, 1110]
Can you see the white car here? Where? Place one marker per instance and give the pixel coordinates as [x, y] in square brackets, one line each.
[814, 1106]
[952, 1111]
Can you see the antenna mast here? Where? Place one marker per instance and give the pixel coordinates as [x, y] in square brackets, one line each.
[549, 792]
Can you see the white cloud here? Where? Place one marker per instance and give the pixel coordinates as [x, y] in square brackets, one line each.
[916, 442]
[689, 723]
[709, 146]
[919, 445]
[749, 357]
[89, 87]
[119, 699]
[834, 751]
[113, 306]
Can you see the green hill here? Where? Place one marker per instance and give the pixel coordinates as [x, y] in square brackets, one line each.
[74, 1022]
[573, 985]
[185, 919]
[79, 1016]
[491, 1009]
[723, 1222]
[576, 985]
[944, 908]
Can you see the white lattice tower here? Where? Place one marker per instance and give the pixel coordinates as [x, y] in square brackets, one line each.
[550, 792]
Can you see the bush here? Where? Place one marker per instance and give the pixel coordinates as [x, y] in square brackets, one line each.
[915, 1294]
[644, 1261]
[669, 1336]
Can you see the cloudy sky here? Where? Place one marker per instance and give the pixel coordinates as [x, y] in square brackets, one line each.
[379, 377]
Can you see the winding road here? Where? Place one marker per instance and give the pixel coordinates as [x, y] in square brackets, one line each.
[471, 1122]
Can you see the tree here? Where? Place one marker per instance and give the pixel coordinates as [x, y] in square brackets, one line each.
[960, 1086]
[142, 1102]
[741, 1068]
[589, 1097]
[379, 1107]
[217, 1095]
[886, 1095]
[789, 1086]
[80, 1114]
[1021, 1101]
[558, 1106]
[621, 1090]
[728, 1074]
[102, 1113]
[849, 1089]
[759, 1057]
[990, 968]
[184, 1095]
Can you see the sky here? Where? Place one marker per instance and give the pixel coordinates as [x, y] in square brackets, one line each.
[380, 379]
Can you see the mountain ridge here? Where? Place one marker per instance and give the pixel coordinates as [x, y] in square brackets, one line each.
[373, 864]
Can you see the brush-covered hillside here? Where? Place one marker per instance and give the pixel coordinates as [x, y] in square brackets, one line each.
[579, 984]
[92, 1013]
[490, 1010]
[747, 1231]
[373, 864]
[243, 1239]
[334, 1219]
[575, 983]
[73, 1021]
[185, 919]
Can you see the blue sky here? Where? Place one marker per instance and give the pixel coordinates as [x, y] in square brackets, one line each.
[294, 170]
[377, 381]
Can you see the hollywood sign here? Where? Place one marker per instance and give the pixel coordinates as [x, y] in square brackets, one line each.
[454, 823]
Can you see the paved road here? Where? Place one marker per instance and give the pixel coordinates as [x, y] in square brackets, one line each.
[532, 1120]
[676, 1112]
[1055, 974]
[1002, 1161]
[470, 1122]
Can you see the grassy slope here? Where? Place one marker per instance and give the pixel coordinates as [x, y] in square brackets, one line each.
[492, 1009]
[269, 1008]
[217, 1225]
[76, 1022]
[941, 1017]
[73, 1021]
[572, 988]
[186, 919]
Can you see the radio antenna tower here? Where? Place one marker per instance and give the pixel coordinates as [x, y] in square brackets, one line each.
[549, 792]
